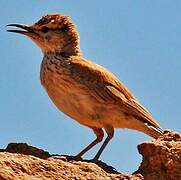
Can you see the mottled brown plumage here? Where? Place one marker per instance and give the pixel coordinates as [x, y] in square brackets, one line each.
[83, 90]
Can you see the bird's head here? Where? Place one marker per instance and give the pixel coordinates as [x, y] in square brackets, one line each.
[52, 33]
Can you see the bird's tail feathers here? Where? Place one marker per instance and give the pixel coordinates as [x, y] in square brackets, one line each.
[153, 131]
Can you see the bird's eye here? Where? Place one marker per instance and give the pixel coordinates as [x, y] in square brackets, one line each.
[64, 29]
[45, 29]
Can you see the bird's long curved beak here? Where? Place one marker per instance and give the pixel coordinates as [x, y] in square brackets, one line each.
[23, 29]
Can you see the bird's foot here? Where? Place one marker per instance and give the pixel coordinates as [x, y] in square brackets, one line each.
[75, 158]
[103, 165]
[66, 157]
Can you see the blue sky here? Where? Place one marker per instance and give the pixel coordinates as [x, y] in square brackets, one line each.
[139, 41]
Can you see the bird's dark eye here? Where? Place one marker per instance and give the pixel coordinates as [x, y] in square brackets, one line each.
[45, 29]
[64, 29]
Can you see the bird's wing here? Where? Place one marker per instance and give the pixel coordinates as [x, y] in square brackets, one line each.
[106, 88]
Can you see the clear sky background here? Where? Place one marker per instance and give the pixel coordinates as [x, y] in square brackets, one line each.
[139, 41]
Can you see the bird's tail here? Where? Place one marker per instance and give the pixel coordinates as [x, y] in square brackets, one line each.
[153, 131]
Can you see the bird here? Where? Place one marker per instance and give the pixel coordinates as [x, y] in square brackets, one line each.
[85, 91]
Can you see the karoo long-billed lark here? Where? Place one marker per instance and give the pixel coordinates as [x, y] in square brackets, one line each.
[83, 90]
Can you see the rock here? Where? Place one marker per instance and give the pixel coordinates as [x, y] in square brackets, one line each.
[23, 148]
[161, 157]
[20, 166]
[161, 161]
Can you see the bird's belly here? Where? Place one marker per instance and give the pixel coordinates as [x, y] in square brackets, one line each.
[74, 101]
[78, 103]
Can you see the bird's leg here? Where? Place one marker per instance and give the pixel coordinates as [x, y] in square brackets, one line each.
[110, 133]
[100, 134]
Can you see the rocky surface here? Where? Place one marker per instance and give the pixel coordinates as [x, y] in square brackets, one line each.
[161, 161]
[161, 158]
